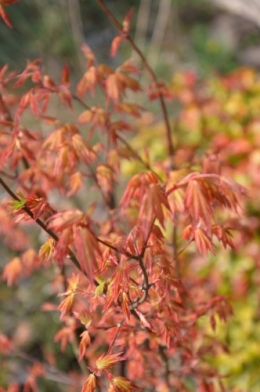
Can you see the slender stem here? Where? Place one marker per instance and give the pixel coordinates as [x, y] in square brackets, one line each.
[119, 325]
[146, 284]
[175, 250]
[79, 100]
[152, 76]
[136, 155]
[10, 176]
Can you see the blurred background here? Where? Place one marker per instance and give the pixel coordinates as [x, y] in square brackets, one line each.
[203, 35]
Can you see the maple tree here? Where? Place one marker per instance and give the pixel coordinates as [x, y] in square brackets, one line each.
[126, 250]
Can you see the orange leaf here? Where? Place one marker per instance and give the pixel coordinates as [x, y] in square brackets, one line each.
[113, 88]
[196, 202]
[127, 20]
[88, 82]
[65, 335]
[203, 241]
[5, 344]
[122, 384]
[66, 305]
[75, 183]
[143, 320]
[224, 235]
[65, 219]
[90, 384]
[86, 116]
[85, 341]
[65, 75]
[125, 305]
[107, 361]
[105, 177]
[12, 271]
[89, 55]
[115, 45]
[87, 247]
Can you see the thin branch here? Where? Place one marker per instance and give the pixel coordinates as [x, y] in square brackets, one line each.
[10, 176]
[79, 100]
[136, 155]
[119, 325]
[146, 284]
[152, 76]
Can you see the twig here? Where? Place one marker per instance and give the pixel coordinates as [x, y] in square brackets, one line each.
[146, 284]
[119, 325]
[136, 155]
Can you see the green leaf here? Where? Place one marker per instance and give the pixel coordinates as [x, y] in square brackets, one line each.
[18, 204]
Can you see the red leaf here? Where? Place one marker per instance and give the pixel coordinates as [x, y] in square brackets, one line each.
[127, 20]
[143, 320]
[125, 305]
[87, 248]
[107, 361]
[90, 384]
[5, 344]
[122, 384]
[113, 88]
[4, 16]
[197, 203]
[65, 219]
[84, 343]
[115, 45]
[12, 271]
[203, 241]
[65, 75]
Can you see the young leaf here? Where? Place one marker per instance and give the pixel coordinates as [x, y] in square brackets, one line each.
[18, 204]
[105, 362]
[122, 384]
[90, 384]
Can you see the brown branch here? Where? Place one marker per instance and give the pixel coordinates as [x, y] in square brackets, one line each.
[136, 155]
[119, 325]
[146, 285]
[152, 76]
